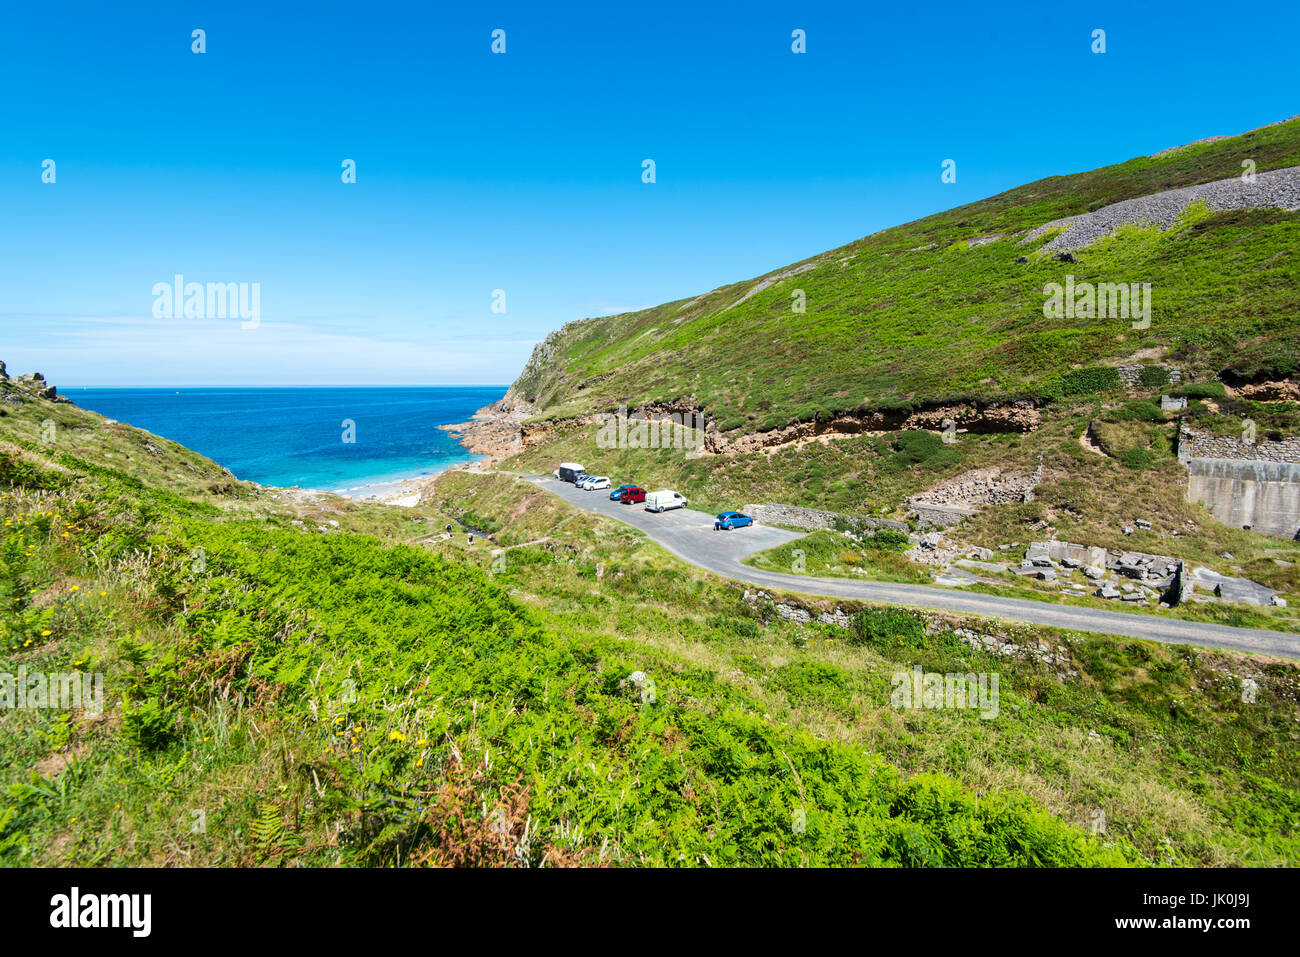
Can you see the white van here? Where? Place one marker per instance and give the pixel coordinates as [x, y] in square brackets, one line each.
[663, 500]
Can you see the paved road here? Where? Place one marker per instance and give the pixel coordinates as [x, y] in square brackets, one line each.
[689, 535]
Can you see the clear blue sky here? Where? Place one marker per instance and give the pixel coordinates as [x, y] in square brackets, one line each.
[522, 171]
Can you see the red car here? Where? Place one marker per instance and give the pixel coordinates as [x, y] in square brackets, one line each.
[632, 495]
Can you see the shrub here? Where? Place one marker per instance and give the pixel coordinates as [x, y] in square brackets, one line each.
[886, 539]
[1090, 380]
[887, 628]
[483, 524]
[149, 726]
[918, 447]
[1154, 377]
[1202, 390]
[1139, 410]
[1138, 458]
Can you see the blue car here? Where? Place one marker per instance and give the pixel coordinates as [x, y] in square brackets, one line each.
[616, 493]
[727, 520]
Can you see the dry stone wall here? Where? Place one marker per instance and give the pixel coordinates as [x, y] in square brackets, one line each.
[813, 519]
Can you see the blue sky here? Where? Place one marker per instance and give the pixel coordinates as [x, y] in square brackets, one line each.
[522, 171]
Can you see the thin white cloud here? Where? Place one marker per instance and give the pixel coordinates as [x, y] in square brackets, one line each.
[113, 350]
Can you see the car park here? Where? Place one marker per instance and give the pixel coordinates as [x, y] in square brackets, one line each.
[632, 495]
[593, 483]
[729, 520]
[617, 493]
[663, 500]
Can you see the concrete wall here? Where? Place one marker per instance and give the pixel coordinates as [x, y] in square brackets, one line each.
[1264, 495]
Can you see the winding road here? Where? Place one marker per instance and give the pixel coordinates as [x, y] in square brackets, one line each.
[689, 535]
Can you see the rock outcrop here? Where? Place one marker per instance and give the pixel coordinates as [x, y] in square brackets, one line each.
[30, 385]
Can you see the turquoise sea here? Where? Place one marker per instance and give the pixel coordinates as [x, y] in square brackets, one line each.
[296, 436]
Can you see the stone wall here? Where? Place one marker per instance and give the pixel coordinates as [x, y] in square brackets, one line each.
[931, 515]
[1130, 377]
[1203, 445]
[812, 519]
[959, 498]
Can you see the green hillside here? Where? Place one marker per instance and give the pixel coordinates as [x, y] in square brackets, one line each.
[839, 407]
[299, 680]
[916, 314]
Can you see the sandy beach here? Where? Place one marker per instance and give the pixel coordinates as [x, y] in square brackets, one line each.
[404, 492]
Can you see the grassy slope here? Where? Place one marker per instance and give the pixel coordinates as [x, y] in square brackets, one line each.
[1167, 759]
[325, 697]
[914, 315]
[339, 697]
[889, 322]
[1084, 497]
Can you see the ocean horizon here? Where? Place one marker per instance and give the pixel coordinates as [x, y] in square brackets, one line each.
[344, 439]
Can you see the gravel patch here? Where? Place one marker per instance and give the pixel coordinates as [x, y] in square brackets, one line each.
[772, 281]
[1278, 188]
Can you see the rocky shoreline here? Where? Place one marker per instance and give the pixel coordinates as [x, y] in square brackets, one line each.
[494, 431]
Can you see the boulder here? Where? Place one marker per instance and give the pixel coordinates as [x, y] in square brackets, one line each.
[1235, 589]
[1137, 572]
[1037, 554]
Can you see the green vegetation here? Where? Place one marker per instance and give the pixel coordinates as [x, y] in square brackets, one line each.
[915, 324]
[1084, 496]
[829, 553]
[292, 679]
[1088, 381]
[339, 696]
[330, 698]
[911, 315]
[1168, 721]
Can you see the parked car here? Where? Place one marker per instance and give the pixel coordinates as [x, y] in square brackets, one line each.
[593, 483]
[663, 500]
[617, 493]
[632, 495]
[728, 520]
[569, 472]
